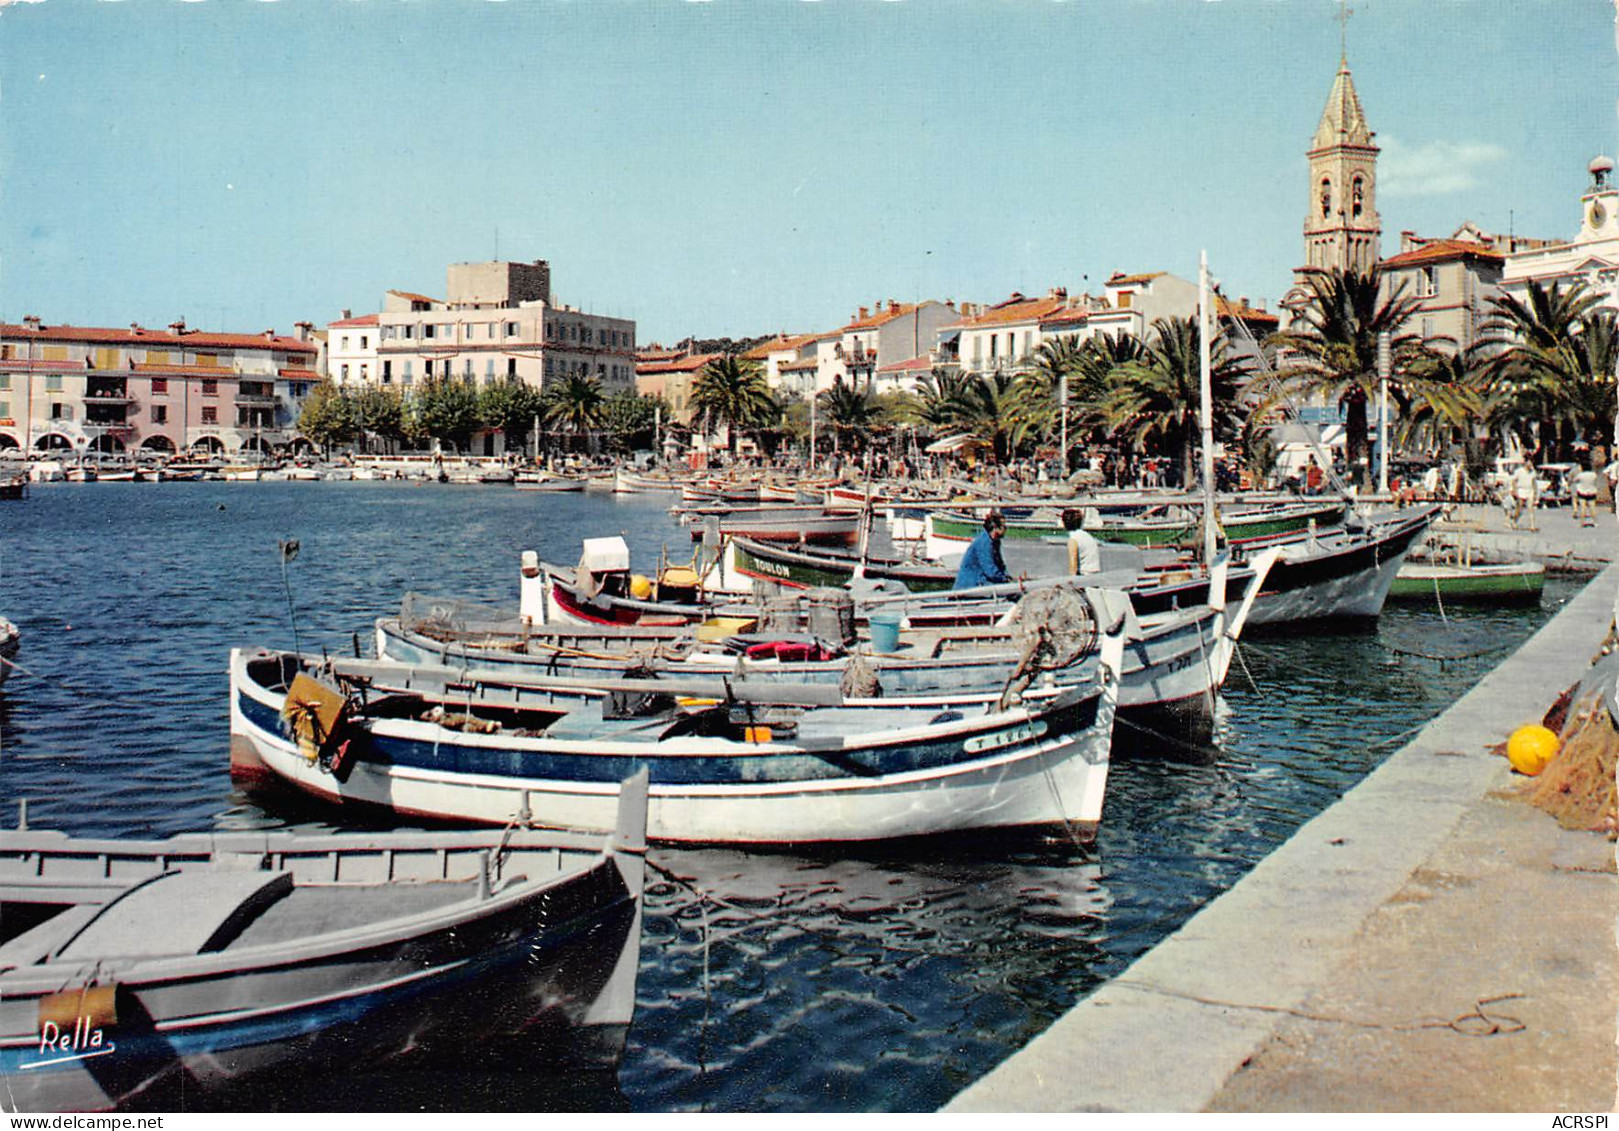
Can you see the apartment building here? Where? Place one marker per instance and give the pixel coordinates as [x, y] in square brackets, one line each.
[96, 389]
[498, 320]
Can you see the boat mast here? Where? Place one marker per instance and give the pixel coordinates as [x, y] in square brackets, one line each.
[1205, 412]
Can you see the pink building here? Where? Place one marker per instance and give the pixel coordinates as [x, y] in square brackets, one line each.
[81, 388]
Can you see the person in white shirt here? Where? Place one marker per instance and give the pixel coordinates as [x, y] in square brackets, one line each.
[1585, 496]
[1084, 551]
[1523, 493]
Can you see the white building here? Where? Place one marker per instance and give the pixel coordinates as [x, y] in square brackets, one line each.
[1592, 257]
[498, 320]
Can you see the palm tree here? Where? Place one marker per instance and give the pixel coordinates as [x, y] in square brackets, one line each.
[734, 392]
[573, 405]
[993, 408]
[849, 411]
[1553, 363]
[937, 398]
[1088, 386]
[1336, 353]
[1155, 400]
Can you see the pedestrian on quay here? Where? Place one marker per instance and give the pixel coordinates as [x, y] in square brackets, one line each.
[1585, 495]
[1612, 474]
[982, 564]
[1524, 495]
[1084, 551]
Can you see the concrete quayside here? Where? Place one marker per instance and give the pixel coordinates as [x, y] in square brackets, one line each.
[1431, 942]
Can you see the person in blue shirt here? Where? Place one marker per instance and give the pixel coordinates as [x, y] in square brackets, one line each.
[982, 564]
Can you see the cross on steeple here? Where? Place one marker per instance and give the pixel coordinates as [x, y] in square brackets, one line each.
[1344, 12]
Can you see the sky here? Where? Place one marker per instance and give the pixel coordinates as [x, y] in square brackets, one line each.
[742, 167]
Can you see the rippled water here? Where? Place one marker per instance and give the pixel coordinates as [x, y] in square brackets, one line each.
[798, 982]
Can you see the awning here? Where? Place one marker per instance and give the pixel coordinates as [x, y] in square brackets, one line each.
[953, 444]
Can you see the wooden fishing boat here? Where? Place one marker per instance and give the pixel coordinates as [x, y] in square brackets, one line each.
[1505, 583]
[13, 487]
[546, 482]
[949, 532]
[815, 525]
[1172, 659]
[729, 762]
[128, 968]
[1343, 574]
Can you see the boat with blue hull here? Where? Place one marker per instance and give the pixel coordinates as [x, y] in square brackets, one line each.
[140, 971]
[729, 763]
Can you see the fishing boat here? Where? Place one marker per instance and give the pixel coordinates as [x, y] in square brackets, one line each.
[10, 643]
[815, 525]
[1173, 660]
[1502, 584]
[730, 762]
[241, 473]
[13, 486]
[47, 471]
[1342, 574]
[130, 968]
[950, 532]
[527, 481]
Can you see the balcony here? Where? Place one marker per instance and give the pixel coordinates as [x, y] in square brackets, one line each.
[107, 394]
[257, 400]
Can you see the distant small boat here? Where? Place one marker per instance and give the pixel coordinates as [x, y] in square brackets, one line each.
[10, 642]
[1508, 583]
[13, 487]
[47, 471]
[127, 967]
[550, 483]
[241, 473]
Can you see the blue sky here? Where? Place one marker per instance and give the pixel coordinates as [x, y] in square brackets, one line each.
[738, 167]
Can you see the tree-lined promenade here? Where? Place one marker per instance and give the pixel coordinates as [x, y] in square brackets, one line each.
[1540, 380]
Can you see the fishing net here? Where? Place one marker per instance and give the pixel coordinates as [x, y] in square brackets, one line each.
[1578, 786]
[1065, 616]
[454, 619]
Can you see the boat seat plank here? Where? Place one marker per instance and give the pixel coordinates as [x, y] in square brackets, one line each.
[41, 941]
[190, 911]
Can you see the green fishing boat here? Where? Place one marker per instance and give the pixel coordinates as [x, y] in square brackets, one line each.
[1508, 583]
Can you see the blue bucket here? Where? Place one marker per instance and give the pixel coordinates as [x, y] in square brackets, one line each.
[885, 631]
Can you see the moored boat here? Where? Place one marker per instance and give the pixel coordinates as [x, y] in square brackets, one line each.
[208, 960]
[728, 762]
[1503, 583]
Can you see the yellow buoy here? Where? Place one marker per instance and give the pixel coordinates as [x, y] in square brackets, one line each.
[640, 587]
[1530, 748]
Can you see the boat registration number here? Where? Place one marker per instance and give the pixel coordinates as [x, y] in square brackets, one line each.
[1008, 737]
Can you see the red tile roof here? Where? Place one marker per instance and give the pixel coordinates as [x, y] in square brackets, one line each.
[882, 316]
[298, 374]
[1247, 313]
[1436, 251]
[675, 365]
[778, 344]
[1121, 280]
[803, 365]
[903, 366]
[1067, 317]
[362, 320]
[1015, 309]
[157, 339]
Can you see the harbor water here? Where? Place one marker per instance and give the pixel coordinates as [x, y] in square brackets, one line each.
[769, 981]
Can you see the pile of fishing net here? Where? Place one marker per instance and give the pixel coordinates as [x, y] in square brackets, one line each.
[1578, 786]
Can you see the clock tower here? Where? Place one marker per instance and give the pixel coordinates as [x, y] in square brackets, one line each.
[1341, 227]
[1600, 204]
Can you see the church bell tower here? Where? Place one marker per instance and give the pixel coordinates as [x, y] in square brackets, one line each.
[1342, 228]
